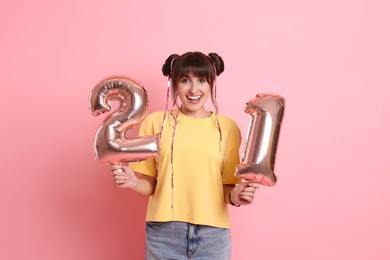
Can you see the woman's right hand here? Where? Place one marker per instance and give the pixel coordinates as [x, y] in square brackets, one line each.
[124, 177]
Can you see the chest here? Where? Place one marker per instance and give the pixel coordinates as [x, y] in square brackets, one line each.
[199, 140]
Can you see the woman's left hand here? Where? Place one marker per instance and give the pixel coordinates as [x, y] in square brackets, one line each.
[244, 193]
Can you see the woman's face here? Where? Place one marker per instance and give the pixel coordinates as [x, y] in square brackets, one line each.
[193, 92]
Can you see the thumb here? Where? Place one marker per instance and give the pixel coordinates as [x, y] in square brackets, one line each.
[239, 188]
[127, 170]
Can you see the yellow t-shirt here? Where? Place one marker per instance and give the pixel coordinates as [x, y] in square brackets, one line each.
[201, 165]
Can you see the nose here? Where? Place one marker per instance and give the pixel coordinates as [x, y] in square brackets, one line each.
[194, 87]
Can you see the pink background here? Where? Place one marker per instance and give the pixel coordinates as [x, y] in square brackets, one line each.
[329, 59]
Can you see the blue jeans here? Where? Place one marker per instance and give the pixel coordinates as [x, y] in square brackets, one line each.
[181, 240]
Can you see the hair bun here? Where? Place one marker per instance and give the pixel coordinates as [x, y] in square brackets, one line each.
[218, 63]
[167, 66]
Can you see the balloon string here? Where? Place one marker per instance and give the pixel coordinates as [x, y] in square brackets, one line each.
[217, 112]
[165, 114]
[173, 139]
[166, 106]
[172, 168]
[220, 135]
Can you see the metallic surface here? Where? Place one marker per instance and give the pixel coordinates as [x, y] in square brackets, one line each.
[111, 144]
[258, 163]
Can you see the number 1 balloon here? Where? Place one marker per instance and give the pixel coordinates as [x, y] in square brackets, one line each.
[258, 163]
[111, 144]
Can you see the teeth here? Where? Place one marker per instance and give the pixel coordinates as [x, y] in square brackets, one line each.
[194, 97]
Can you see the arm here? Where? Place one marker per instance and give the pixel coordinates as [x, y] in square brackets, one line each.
[124, 178]
[227, 188]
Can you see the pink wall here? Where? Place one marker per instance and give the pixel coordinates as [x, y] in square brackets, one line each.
[330, 59]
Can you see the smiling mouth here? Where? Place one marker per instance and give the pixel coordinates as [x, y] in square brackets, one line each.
[193, 98]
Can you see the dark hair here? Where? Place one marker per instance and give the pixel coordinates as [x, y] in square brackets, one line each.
[197, 63]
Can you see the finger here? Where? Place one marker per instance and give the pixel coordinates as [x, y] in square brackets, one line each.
[119, 172]
[255, 185]
[243, 185]
[127, 170]
[248, 194]
[114, 166]
[121, 177]
[249, 189]
[247, 198]
[120, 181]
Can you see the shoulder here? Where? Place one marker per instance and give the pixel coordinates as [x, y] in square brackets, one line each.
[152, 121]
[230, 130]
[229, 126]
[226, 121]
[155, 114]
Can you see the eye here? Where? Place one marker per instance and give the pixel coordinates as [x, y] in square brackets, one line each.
[184, 80]
[202, 80]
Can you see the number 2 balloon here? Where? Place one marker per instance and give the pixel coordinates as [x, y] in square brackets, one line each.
[111, 144]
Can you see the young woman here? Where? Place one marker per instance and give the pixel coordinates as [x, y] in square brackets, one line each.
[191, 182]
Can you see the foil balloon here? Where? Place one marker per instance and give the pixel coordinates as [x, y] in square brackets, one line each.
[111, 144]
[258, 161]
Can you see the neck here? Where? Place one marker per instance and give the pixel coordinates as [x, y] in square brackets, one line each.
[203, 113]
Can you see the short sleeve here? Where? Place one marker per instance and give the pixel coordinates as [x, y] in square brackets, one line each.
[147, 167]
[232, 142]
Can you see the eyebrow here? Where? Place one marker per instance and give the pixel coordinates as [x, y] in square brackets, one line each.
[196, 76]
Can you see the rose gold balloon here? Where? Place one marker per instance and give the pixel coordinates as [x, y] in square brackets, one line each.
[111, 145]
[258, 163]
